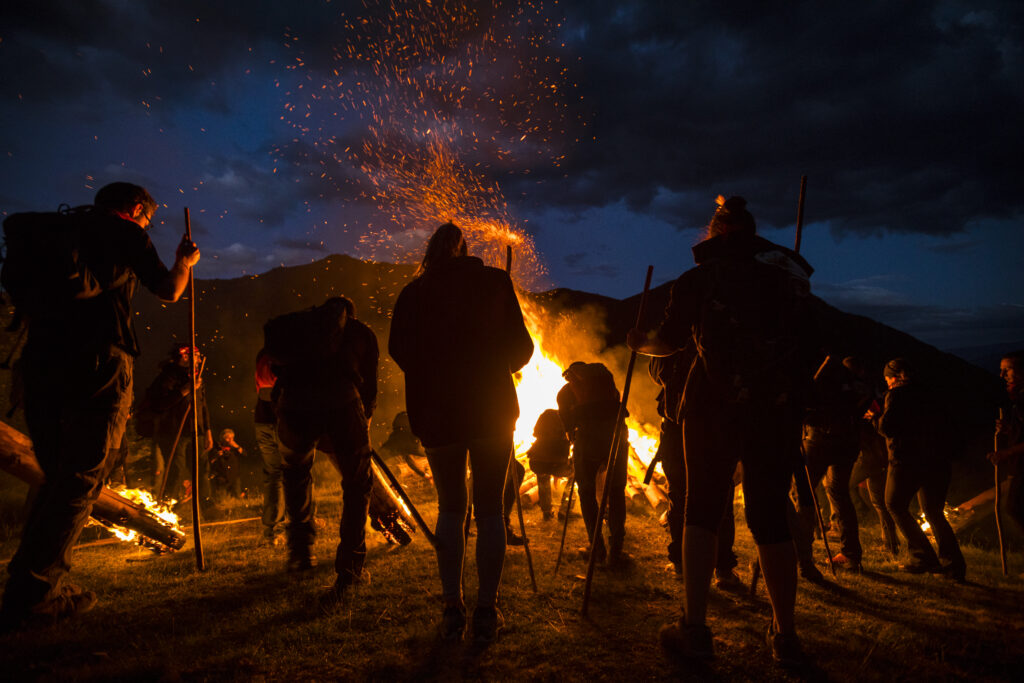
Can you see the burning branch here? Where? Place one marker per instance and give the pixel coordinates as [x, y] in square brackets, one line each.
[18, 459]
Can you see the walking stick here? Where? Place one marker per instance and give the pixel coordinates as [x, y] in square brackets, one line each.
[511, 469]
[800, 213]
[174, 446]
[427, 533]
[565, 525]
[810, 485]
[998, 511]
[613, 455]
[522, 523]
[196, 523]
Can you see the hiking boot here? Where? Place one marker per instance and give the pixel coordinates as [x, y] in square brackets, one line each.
[811, 573]
[847, 564]
[921, 568]
[729, 581]
[689, 641]
[487, 621]
[70, 601]
[301, 563]
[340, 593]
[453, 623]
[785, 648]
[512, 538]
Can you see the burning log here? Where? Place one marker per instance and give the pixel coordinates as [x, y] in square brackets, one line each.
[18, 459]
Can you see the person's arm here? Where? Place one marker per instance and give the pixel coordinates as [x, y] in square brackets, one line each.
[172, 286]
[682, 312]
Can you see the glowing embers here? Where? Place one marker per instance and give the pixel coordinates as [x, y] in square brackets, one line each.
[143, 520]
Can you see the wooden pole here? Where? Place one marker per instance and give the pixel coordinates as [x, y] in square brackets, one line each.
[613, 455]
[196, 523]
[565, 525]
[998, 507]
[800, 213]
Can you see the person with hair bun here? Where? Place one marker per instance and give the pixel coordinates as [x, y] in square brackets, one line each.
[745, 309]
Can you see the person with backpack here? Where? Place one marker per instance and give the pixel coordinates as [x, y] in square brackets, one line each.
[745, 306]
[325, 361]
[169, 397]
[457, 332]
[78, 361]
[915, 427]
[549, 457]
[589, 405]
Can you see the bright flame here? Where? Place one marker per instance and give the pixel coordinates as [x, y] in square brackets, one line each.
[142, 497]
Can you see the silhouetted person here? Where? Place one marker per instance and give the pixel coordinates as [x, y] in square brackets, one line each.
[745, 307]
[914, 426]
[78, 391]
[1010, 432]
[549, 457]
[325, 361]
[457, 333]
[265, 424]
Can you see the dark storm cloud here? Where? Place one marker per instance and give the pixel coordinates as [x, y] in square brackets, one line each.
[905, 116]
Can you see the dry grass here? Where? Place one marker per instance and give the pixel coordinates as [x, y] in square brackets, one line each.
[246, 619]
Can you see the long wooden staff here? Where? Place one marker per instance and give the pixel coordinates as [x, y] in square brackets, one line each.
[565, 524]
[613, 455]
[998, 508]
[800, 213]
[810, 485]
[196, 533]
[510, 471]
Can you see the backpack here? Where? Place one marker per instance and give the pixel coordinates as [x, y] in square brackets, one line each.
[299, 338]
[592, 383]
[43, 270]
[750, 332]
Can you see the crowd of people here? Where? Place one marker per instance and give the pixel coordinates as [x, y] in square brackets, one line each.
[744, 399]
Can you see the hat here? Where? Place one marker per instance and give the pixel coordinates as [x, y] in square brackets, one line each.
[731, 216]
[896, 367]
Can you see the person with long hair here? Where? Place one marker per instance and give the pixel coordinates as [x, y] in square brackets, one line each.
[457, 332]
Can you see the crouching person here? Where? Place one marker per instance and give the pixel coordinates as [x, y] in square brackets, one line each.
[326, 366]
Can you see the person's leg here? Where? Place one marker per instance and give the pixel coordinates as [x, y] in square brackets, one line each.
[902, 484]
[273, 481]
[876, 491]
[448, 464]
[837, 487]
[349, 440]
[932, 499]
[670, 448]
[617, 502]
[76, 415]
[296, 437]
[544, 493]
[489, 460]
[586, 466]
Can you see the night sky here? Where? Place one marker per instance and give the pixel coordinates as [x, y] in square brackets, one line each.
[602, 130]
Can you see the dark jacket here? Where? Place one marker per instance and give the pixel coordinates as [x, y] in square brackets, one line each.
[345, 370]
[912, 426]
[457, 333]
[170, 397]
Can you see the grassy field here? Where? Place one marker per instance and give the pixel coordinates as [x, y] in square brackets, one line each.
[245, 619]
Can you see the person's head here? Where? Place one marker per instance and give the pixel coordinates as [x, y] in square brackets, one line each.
[1010, 368]
[445, 244]
[731, 217]
[227, 436]
[338, 308]
[897, 372]
[572, 372]
[131, 202]
[855, 365]
[180, 355]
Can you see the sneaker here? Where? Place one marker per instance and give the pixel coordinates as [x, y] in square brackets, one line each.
[487, 621]
[453, 623]
[811, 573]
[785, 648]
[847, 564]
[512, 538]
[728, 581]
[301, 563]
[70, 601]
[689, 641]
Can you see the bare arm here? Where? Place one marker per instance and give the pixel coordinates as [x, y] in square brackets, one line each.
[173, 285]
